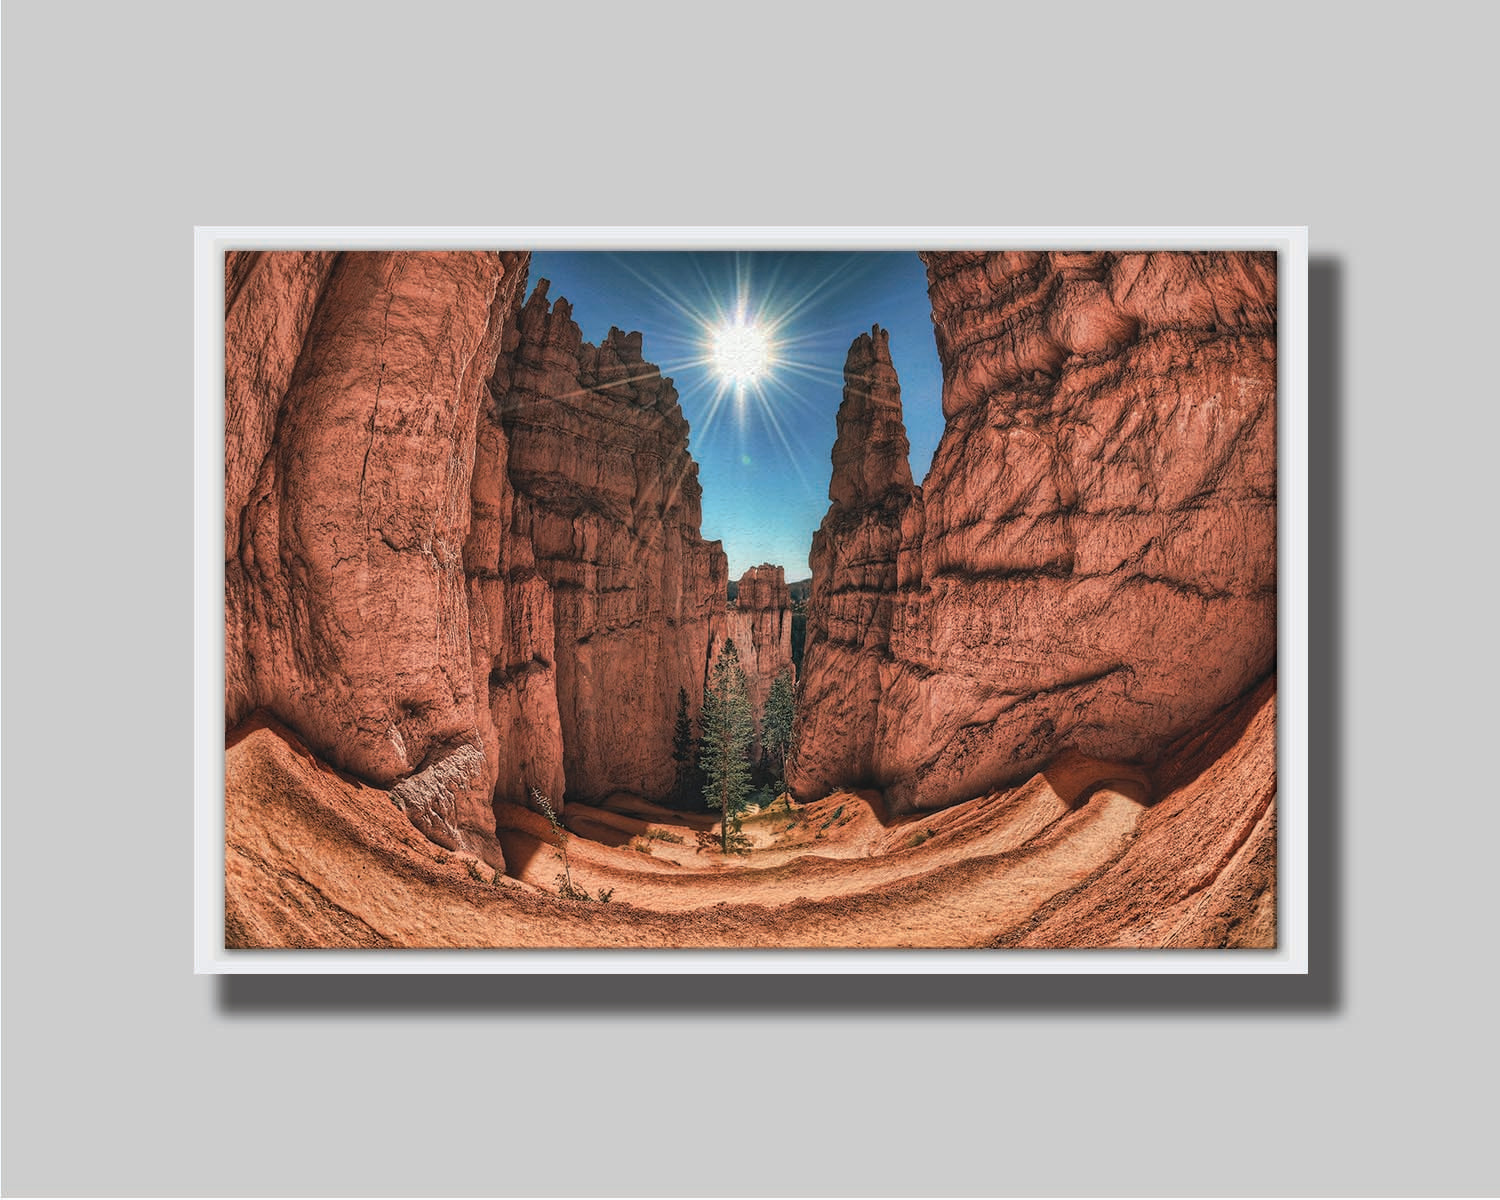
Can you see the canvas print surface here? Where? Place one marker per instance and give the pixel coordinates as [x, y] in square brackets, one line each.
[775, 600]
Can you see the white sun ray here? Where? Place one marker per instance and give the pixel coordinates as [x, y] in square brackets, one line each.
[772, 420]
[703, 430]
[739, 337]
[662, 293]
[784, 316]
[818, 372]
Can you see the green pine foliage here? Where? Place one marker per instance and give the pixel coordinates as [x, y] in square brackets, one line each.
[684, 751]
[776, 724]
[728, 726]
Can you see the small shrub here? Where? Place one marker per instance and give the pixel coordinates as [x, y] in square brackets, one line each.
[569, 890]
[735, 843]
[837, 813]
[919, 837]
[566, 888]
[642, 842]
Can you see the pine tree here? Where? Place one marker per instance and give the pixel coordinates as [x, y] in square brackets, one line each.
[776, 725]
[683, 747]
[728, 726]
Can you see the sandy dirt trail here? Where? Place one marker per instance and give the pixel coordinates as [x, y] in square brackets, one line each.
[314, 858]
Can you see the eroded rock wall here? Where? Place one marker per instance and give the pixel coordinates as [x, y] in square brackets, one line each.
[608, 498]
[1091, 560]
[462, 548]
[512, 630]
[352, 386]
[854, 561]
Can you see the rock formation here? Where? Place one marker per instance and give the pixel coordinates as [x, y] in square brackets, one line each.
[512, 628]
[352, 387]
[854, 585]
[462, 549]
[607, 497]
[1090, 563]
[760, 624]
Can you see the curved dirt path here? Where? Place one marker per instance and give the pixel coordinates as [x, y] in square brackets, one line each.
[1072, 857]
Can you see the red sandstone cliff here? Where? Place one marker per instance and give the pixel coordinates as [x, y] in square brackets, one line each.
[352, 387]
[462, 550]
[608, 497]
[512, 628]
[1090, 563]
[854, 579]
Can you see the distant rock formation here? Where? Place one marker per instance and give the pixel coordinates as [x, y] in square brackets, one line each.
[608, 498]
[760, 622]
[1091, 561]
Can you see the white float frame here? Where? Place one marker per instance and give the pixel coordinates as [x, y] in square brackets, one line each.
[1290, 957]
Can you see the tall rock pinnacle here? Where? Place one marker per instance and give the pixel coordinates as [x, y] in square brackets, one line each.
[871, 453]
[854, 577]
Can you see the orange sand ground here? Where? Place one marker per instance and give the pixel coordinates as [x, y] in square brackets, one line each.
[1072, 857]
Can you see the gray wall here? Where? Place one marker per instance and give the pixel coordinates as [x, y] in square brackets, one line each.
[126, 124]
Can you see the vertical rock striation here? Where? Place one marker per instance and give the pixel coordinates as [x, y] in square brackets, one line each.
[513, 637]
[1091, 561]
[352, 387]
[462, 548]
[608, 498]
[854, 578]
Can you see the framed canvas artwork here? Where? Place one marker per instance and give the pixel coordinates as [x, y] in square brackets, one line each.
[751, 600]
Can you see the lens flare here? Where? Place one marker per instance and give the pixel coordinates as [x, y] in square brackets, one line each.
[763, 365]
[741, 352]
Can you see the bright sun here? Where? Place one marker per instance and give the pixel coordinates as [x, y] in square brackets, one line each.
[742, 352]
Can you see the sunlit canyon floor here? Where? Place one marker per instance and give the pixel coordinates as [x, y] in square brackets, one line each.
[1085, 853]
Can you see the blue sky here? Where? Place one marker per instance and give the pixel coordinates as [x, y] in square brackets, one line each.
[763, 449]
